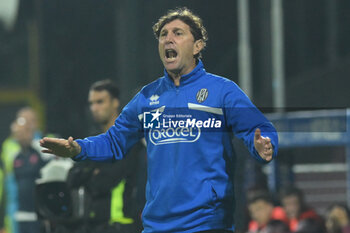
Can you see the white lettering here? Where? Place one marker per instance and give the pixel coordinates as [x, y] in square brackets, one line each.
[191, 133]
[190, 123]
[170, 132]
[165, 125]
[181, 124]
[156, 134]
[184, 132]
[218, 124]
[206, 124]
[178, 134]
[162, 132]
[174, 123]
[199, 124]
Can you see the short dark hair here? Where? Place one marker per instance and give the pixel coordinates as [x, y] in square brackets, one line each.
[260, 196]
[185, 15]
[293, 191]
[106, 85]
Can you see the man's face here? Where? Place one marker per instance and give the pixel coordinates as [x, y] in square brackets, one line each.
[102, 106]
[22, 131]
[291, 205]
[177, 48]
[260, 211]
[31, 118]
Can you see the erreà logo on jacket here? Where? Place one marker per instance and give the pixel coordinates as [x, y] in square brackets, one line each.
[154, 99]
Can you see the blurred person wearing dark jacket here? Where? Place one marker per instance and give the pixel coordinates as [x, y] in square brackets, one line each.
[110, 188]
[262, 211]
[338, 219]
[9, 150]
[292, 200]
[26, 167]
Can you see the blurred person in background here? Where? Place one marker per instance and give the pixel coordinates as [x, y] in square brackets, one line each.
[9, 150]
[338, 219]
[292, 200]
[26, 168]
[262, 211]
[32, 120]
[104, 103]
[111, 188]
[190, 169]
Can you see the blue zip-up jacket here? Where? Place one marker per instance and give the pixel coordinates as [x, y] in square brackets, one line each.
[188, 130]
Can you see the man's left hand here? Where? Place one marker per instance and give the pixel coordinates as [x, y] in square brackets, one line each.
[263, 145]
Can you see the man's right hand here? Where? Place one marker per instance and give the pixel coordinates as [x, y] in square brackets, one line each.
[60, 147]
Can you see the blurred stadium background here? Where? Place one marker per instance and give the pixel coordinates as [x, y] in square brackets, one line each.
[289, 56]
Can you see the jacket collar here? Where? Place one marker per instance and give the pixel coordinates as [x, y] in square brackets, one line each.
[197, 72]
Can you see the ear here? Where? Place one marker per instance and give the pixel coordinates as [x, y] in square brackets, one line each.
[115, 103]
[198, 46]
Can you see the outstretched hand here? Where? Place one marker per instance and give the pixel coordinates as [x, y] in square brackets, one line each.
[263, 145]
[60, 147]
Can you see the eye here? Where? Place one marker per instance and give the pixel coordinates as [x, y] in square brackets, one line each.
[162, 34]
[178, 33]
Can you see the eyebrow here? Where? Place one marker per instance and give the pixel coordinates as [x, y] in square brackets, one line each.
[173, 29]
[95, 101]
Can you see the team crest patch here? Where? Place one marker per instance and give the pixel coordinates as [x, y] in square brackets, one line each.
[202, 95]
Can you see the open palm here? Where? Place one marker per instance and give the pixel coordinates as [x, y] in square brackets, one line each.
[60, 147]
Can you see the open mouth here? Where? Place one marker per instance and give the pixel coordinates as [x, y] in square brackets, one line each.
[170, 54]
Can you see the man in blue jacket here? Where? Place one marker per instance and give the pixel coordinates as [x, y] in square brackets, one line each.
[188, 118]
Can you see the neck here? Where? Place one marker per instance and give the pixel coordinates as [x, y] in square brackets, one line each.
[176, 78]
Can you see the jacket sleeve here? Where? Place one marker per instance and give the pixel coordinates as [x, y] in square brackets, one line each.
[243, 118]
[116, 142]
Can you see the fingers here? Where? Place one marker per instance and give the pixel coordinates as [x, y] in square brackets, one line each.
[267, 139]
[46, 139]
[54, 144]
[267, 153]
[70, 141]
[268, 157]
[259, 137]
[263, 145]
[257, 134]
[267, 143]
[47, 151]
[49, 142]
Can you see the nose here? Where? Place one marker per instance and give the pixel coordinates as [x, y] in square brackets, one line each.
[169, 38]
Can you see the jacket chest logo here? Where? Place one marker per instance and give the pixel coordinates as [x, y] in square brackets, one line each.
[154, 99]
[202, 95]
